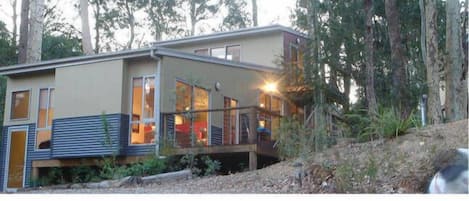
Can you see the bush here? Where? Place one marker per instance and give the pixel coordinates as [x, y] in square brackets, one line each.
[389, 124]
[199, 165]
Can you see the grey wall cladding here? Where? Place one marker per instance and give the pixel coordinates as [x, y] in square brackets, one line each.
[217, 135]
[85, 136]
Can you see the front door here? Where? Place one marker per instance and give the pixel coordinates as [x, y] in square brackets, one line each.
[16, 158]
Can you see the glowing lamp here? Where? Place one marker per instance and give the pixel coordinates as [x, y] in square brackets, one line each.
[270, 87]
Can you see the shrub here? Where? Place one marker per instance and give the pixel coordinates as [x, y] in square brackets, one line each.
[389, 124]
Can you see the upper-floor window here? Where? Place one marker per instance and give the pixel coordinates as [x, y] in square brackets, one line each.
[19, 105]
[218, 52]
[44, 119]
[143, 110]
[203, 52]
[232, 52]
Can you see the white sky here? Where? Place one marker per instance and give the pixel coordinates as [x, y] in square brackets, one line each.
[269, 12]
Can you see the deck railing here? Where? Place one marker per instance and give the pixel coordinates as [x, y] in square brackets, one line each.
[215, 127]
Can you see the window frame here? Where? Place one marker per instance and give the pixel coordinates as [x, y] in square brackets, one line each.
[29, 90]
[209, 116]
[225, 47]
[226, 51]
[237, 130]
[46, 128]
[205, 49]
[143, 120]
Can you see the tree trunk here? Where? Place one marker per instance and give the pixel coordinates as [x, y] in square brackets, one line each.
[36, 25]
[254, 13]
[370, 69]
[433, 74]
[97, 26]
[15, 24]
[423, 45]
[85, 28]
[131, 21]
[193, 17]
[24, 30]
[398, 60]
[456, 82]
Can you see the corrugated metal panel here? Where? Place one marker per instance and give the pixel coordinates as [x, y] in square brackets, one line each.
[85, 137]
[217, 135]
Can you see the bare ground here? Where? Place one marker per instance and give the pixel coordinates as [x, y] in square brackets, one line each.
[400, 165]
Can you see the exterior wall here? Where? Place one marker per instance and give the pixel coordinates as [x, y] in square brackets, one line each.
[90, 89]
[263, 49]
[245, 90]
[85, 137]
[289, 38]
[32, 82]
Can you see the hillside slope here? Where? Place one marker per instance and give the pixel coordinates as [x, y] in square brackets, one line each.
[400, 165]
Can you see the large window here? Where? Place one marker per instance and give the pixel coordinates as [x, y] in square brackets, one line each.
[296, 65]
[191, 128]
[230, 121]
[19, 105]
[143, 111]
[44, 119]
[269, 121]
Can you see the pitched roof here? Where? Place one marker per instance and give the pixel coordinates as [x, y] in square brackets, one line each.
[144, 52]
[229, 34]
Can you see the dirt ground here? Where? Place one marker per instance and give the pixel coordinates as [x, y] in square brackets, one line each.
[400, 165]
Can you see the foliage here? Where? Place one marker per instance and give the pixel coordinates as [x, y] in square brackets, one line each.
[164, 18]
[199, 165]
[7, 49]
[61, 46]
[83, 174]
[297, 141]
[389, 124]
[150, 166]
[200, 10]
[237, 16]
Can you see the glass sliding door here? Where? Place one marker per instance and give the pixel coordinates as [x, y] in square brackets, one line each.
[191, 127]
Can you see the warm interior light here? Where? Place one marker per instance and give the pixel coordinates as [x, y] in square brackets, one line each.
[178, 119]
[270, 87]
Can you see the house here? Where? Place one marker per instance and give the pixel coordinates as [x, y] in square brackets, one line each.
[196, 95]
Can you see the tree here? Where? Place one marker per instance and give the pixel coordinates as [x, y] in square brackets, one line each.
[369, 52]
[163, 17]
[432, 62]
[254, 13]
[85, 28]
[455, 74]
[201, 10]
[14, 17]
[125, 17]
[398, 59]
[237, 16]
[36, 25]
[7, 48]
[24, 31]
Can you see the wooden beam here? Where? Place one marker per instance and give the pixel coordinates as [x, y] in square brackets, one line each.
[83, 161]
[252, 136]
[217, 149]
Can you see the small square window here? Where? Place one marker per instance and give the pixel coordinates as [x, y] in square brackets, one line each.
[203, 52]
[233, 53]
[218, 52]
[19, 105]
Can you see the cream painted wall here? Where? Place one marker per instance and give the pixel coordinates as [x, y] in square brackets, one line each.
[135, 68]
[237, 83]
[32, 82]
[89, 89]
[264, 49]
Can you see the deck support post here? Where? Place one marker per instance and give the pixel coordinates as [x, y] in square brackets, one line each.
[252, 161]
[35, 173]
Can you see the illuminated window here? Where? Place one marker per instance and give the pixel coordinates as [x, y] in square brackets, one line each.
[143, 111]
[19, 105]
[230, 121]
[270, 120]
[44, 120]
[190, 98]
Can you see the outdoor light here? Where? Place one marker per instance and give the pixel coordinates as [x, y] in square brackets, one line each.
[270, 87]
